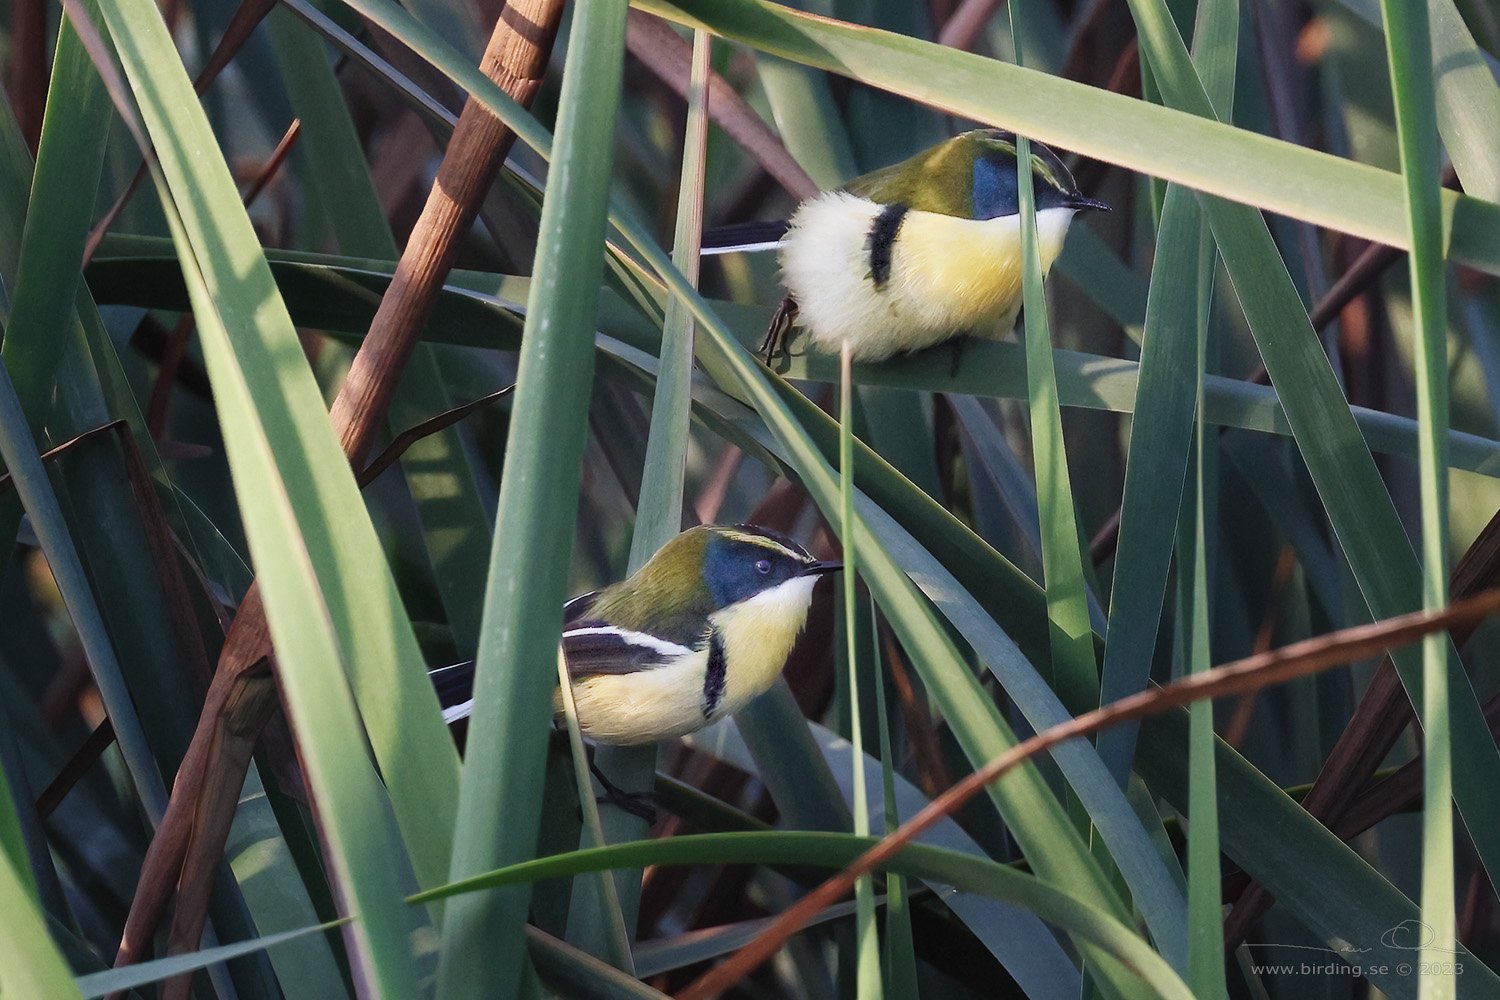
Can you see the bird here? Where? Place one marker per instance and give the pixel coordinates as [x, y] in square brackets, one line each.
[919, 252]
[698, 632]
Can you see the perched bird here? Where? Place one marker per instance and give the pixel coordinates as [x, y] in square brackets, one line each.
[694, 635]
[912, 254]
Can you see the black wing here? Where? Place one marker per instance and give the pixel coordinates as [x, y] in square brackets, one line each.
[594, 647]
[575, 610]
[455, 689]
[455, 684]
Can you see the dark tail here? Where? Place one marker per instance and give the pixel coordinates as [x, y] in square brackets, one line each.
[744, 237]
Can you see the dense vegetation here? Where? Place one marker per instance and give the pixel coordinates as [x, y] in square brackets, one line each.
[1268, 413]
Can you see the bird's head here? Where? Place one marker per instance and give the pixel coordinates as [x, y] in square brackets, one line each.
[973, 176]
[706, 569]
[742, 560]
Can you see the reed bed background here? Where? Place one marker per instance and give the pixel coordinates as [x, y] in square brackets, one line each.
[1255, 405]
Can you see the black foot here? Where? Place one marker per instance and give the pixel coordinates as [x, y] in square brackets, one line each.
[780, 330]
[635, 803]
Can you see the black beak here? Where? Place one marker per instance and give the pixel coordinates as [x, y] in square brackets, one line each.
[1082, 204]
[819, 568]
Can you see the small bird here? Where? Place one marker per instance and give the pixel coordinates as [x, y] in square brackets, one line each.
[916, 253]
[700, 630]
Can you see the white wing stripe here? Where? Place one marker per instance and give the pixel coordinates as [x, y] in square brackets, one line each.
[634, 638]
[741, 248]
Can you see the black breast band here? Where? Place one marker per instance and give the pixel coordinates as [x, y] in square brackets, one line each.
[882, 237]
[713, 676]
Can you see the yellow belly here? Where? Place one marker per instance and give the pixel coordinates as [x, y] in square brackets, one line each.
[948, 276]
[642, 707]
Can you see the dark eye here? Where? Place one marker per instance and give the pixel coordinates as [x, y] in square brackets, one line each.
[762, 566]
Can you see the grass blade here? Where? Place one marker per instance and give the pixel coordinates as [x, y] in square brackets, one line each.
[1407, 40]
[99, 984]
[455, 525]
[1159, 446]
[659, 512]
[1358, 505]
[1215, 45]
[482, 940]
[364, 848]
[30, 964]
[868, 983]
[1110, 936]
[1073, 666]
[398, 708]
[265, 403]
[35, 490]
[659, 515]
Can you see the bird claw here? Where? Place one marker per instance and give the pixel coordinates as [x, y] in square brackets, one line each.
[780, 330]
[636, 803]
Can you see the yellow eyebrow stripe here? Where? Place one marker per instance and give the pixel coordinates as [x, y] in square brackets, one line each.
[763, 542]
